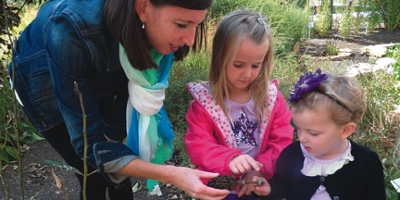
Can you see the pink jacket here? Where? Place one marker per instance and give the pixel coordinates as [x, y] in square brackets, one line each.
[210, 142]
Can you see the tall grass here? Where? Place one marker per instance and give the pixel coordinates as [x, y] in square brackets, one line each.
[288, 22]
[380, 127]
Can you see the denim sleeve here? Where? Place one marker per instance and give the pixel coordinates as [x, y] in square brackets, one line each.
[72, 60]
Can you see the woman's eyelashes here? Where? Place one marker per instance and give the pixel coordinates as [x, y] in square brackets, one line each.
[179, 25]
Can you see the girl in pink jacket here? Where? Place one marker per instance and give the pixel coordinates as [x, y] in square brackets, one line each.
[239, 122]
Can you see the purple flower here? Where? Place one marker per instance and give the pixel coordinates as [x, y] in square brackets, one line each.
[306, 83]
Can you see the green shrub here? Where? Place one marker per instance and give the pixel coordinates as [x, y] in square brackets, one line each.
[331, 48]
[220, 8]
[394, 52]
[8, 138]
[11, 113]
[374, 17]
[357, 21]
[390, 11]
[345, 23]
[380, 129]
[288, 22]
[324, 22]
[286, 70]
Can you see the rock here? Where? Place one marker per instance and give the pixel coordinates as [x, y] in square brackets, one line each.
[340, 56]
[346, 50]
[380, 64]
[376, 50]
[397, 109]
[385, 61]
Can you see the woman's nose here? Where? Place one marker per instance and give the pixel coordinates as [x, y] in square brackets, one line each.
[189, 36]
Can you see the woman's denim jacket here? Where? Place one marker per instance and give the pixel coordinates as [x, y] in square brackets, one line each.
[67, 44]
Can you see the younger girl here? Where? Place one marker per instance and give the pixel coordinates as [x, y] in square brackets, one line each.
[324, 163]
[239, 122]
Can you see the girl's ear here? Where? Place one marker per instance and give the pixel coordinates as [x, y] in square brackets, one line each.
[140, 7]
[348, 129]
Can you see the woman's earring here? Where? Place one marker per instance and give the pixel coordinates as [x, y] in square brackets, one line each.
[143, 26]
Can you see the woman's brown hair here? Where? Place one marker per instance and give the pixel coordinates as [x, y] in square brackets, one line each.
[123, 22]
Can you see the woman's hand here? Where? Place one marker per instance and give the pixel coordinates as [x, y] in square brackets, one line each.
[244, 163]
[189, 180]
[184, 178]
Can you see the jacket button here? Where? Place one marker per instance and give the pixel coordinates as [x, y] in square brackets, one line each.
[335, 198]
[322, 179]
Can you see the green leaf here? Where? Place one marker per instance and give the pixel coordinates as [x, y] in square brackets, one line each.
[135, 188]
[4, 157]
[30, 137]
[65, 166]
[11, 151]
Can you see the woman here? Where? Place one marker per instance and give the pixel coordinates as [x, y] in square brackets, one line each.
[97, 48]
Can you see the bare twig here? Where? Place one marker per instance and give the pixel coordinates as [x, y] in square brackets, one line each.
[85, 174]
[3, 180]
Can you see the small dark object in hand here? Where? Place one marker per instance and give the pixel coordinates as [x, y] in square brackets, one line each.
[223, 182]
[258, 182]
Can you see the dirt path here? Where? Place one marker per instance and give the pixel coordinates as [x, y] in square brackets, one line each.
[40, 184]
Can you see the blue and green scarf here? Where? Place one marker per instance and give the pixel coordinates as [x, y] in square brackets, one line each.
[149, 130]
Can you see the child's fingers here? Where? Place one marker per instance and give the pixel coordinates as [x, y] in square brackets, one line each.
[260, 164]
[262, 190]
[242, 191]
[256, 178]
[244, 163]
[248, 192]
[240, 165]
[239, 169]
[254, 165]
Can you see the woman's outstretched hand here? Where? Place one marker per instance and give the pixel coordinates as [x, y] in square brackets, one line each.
[184, 178]
[189, 180]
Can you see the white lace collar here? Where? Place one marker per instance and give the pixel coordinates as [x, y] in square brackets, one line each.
[316, 167]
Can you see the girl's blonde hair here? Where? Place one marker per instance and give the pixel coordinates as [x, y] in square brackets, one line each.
[341, 88]
[231, 30]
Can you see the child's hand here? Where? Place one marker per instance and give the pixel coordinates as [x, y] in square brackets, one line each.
[263, 190]
[244, 163]
[248, 188]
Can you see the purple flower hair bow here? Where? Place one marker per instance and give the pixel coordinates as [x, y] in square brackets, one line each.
[306, 83]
